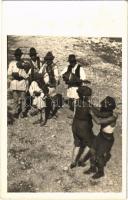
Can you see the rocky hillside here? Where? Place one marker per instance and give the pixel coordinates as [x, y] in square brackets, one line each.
[38, 157]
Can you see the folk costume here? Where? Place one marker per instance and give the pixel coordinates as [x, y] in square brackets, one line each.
[51, 77]
[73, 75]
[19, 83]
[103, 142]
[35, 62]
[82, 125]
[39, 91]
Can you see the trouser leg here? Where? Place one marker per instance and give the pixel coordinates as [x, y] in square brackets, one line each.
[75, 156]
[93, 166]
[107, 157]
[71, 104]
[15, 102]
[48, 107]
[42, 117]
[85, 155]
[23, 101]
[100, 166]
[54, 106]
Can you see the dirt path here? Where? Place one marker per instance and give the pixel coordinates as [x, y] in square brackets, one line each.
[38, 156]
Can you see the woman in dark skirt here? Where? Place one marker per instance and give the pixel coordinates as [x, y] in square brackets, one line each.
[82, 125]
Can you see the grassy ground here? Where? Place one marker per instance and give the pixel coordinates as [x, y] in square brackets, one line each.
[38, 157]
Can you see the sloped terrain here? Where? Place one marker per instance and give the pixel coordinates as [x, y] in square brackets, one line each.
[38, 157]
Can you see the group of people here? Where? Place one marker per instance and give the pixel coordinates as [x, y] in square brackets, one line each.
[33, 83]
[38, 80]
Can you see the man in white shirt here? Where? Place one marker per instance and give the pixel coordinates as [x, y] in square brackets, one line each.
[18, 77]
[74, 76]
[51, 77]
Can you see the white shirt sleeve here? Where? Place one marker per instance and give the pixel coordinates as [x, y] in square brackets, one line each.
[82, 74]
[46, 78]
[56, 73]
[23, 74]
[64, 70]
[10, 68]
[43, 71]
[29, 72]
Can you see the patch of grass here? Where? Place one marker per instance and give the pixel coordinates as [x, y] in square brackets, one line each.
[41, 154]
[16, 152]
[22, 186]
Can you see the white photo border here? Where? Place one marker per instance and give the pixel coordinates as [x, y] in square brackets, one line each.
[114, 31]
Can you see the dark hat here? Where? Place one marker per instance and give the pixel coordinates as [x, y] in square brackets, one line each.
[71, 57]
[109, 103]
[32, 51]
[49, 56]
[84, 91]
[18, 52]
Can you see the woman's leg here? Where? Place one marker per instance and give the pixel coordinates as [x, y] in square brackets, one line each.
[92, 168]
[75, 156]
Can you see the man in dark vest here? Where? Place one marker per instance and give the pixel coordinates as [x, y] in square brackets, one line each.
[34, 62]
[73, 75]
[51, 77]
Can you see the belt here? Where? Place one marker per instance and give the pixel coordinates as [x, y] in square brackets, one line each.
[74, 85]
[107, 135]
[18, 78]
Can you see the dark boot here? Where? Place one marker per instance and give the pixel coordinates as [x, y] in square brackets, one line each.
[42, 123]
[74, 164]
[91, 170]
[81, 163]
[98, 174]
[37, 121]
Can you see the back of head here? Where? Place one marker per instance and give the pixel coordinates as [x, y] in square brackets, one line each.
[18, 52]
[32, 51]
[84, 92]
[108, 104]
[49, 56]
[72, 58]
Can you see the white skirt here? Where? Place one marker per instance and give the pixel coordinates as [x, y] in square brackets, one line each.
[39, 102]
[72, 93]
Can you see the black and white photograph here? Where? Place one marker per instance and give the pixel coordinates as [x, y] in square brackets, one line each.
[63, 128]
[64, 114]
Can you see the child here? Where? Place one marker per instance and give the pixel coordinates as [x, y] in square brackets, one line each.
[82, 125]
[38, 90]
[102, 144]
